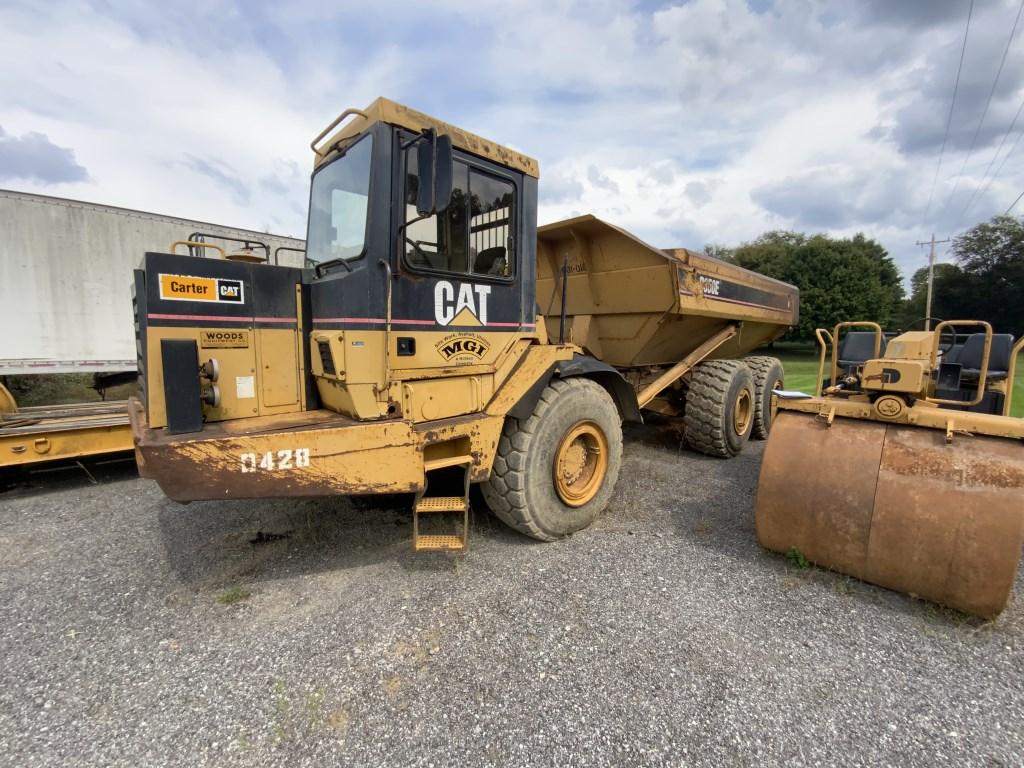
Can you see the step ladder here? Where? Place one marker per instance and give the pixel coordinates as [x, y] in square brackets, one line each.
[432, 506]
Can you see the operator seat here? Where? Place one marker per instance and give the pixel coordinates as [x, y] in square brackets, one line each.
[857, 347]
[998, 359]
[490, 261]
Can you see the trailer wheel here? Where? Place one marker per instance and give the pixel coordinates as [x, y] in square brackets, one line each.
[555, 471]
[719, 408]
[768, 375]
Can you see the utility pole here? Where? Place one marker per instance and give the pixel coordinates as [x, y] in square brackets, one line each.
[931, 276]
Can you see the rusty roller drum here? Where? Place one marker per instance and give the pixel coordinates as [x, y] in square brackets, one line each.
[897, 506]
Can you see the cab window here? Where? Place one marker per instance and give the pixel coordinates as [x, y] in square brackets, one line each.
[339, 202]
[473, 235]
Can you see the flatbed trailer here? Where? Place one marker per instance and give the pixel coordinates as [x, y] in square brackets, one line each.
[39, 434]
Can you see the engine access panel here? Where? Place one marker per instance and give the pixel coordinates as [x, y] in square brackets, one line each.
[246, 324]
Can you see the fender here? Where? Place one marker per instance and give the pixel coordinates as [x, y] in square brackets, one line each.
[583, 365]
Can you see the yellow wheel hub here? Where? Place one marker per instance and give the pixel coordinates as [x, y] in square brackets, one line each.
[743, 410]
[581, 463]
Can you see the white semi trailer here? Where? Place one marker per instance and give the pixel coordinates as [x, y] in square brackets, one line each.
[66, 307]
[65, 278]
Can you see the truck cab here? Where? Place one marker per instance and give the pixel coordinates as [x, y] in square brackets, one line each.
[421, 248]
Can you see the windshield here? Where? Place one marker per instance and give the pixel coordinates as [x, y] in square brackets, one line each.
[338, 206]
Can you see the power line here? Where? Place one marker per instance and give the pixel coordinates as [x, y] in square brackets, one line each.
[949, 118]
[983, 187]
[1013, 204]
[984, 112]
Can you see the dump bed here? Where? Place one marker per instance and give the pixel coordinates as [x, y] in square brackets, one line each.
[630, 304]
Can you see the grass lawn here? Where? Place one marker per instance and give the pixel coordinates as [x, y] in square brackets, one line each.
[801, 364]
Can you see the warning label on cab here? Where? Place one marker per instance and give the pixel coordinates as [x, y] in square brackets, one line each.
[188, 288]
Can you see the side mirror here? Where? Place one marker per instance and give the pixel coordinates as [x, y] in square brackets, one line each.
[434, 173]
[443, 173]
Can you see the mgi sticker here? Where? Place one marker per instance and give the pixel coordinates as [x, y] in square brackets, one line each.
[462, 347]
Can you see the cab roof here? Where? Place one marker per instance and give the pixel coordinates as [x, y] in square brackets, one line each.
[386, 111]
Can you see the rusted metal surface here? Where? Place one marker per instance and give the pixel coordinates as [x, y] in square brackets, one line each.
[897, 506]
[313, 453]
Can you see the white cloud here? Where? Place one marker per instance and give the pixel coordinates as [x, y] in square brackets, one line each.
[702, 120]
[33, 157]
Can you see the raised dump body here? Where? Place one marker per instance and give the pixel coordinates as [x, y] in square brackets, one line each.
[632, 305]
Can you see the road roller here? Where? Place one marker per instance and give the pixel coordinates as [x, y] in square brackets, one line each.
[904, 468]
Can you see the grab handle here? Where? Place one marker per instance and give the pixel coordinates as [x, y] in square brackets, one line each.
[835, 342]
[979, 395]
[347, 113]
[197, 244]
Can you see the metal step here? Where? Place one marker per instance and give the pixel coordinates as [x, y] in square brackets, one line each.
[441, 504]
[435, 543]
[447, 461]
[445, 505]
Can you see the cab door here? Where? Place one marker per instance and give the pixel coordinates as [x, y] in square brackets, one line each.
[458, 292]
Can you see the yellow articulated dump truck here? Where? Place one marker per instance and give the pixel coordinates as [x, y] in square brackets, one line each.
[918, 466]
[438, 339]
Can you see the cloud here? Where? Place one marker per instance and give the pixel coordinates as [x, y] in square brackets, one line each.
[920, 122]
[601, 181]
[911, 13]
[560, 187]
[698, 192]
[222, 175]
[757, 115]
[33, 157]
[661, 174]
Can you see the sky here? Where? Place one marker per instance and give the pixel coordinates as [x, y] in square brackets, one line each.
[687, 123]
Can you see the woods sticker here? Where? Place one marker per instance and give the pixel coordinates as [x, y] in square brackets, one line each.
[225, 339]
[463, 348]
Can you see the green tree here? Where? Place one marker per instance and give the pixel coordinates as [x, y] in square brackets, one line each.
[839, 279]
[718, 251]
[990, 282]
[915, 307]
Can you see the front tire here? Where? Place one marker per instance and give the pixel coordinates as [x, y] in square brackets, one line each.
[555, 471]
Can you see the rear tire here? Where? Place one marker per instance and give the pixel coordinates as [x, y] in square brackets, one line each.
[555, 471]
[719, 408]
[768, 375]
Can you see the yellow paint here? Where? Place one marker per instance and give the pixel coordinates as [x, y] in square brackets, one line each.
[52, 440]
[465, 317]
[278, 359]
[189, 288]
[224, 338]
[271, 361]
[386, 111]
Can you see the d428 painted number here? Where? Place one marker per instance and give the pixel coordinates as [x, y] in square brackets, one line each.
[284, 459]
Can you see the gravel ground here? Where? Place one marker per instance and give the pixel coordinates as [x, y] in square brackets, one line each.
[139, 632]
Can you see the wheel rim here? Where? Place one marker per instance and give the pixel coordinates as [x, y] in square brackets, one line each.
[742, 411]
[581, 463]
